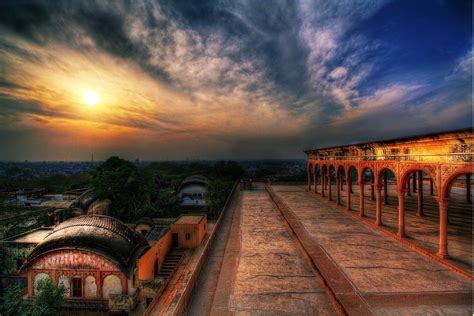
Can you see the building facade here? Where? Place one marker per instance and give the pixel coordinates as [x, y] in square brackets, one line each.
[94, 258]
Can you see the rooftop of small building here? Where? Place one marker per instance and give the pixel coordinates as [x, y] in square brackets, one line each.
[190, 219]
[100, 234]
[34, 236]
[156, 232]
[58, 204]
[196, 179]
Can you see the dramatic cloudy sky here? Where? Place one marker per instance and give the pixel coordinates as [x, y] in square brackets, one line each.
[229, 78]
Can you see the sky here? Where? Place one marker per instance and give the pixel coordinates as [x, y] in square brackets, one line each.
[228, 79]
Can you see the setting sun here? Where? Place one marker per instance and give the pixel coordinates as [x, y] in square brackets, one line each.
[91, 98]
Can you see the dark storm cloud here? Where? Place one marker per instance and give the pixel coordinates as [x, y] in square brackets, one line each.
[25, 18]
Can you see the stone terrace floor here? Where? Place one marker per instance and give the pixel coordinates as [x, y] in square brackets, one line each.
[368, 271]
[262, 271]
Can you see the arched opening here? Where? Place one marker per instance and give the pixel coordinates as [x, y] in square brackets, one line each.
[38, 278]
[421, 210]
[367, 199]
[331, 183]
[352, 177]
[64, 281]
[387, 191]
[310, 176]
[340, 183]
[324, 186]
[317, 178]
[111, 285]
[458, 195]
[90, 286]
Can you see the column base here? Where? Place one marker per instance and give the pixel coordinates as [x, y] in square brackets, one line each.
[378, 223]
[442, 255]
[401, 235]
[420, 214]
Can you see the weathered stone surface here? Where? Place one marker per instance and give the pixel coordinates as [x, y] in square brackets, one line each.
[373, 263]
[269, 274]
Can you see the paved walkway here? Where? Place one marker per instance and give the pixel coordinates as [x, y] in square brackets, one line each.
[424, 231]
[367, 271]
[203, 293]
[263, 271]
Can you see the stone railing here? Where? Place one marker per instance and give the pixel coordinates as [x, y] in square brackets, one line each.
[123, 302]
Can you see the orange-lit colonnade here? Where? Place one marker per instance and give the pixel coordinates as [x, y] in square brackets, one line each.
[442, 157]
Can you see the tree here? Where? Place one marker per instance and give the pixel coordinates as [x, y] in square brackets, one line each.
[48, 300]
[228, 170]
[168, 204]
[117, 180]
[12, 301]
[216, 195]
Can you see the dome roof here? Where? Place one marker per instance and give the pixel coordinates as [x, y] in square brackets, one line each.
[100, 234]
[196, 179]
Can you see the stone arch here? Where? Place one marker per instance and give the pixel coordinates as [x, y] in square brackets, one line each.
[363, 170]
[331, 174]
[384, 169]
[111, 285]
[90, 286]
[40, 277]
[64, 281]
[448, 183]
[405, 175]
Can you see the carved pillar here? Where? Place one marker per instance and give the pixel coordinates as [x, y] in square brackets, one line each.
[348, 185]
[378, 205]
[98, 281]
[323, 184]
[385, 188]
[329, 186]
[372, 195]
[443, 228]
[338, 190]
[431, 187]
[419, 211]
[401, 213]
[309, 180]
[315, 181]
[414, 182]
[341, 182]
[361, 199]
[468, 188]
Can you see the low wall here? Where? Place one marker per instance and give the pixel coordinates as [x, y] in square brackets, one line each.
[178, 307]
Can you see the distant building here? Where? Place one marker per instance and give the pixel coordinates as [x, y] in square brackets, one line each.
[99, 207]
[192, 191]
[188, 231]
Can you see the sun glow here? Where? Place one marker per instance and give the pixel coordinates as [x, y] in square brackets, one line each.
[91, 98]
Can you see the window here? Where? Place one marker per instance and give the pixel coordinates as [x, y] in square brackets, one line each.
[188, 236]
[76, 286]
